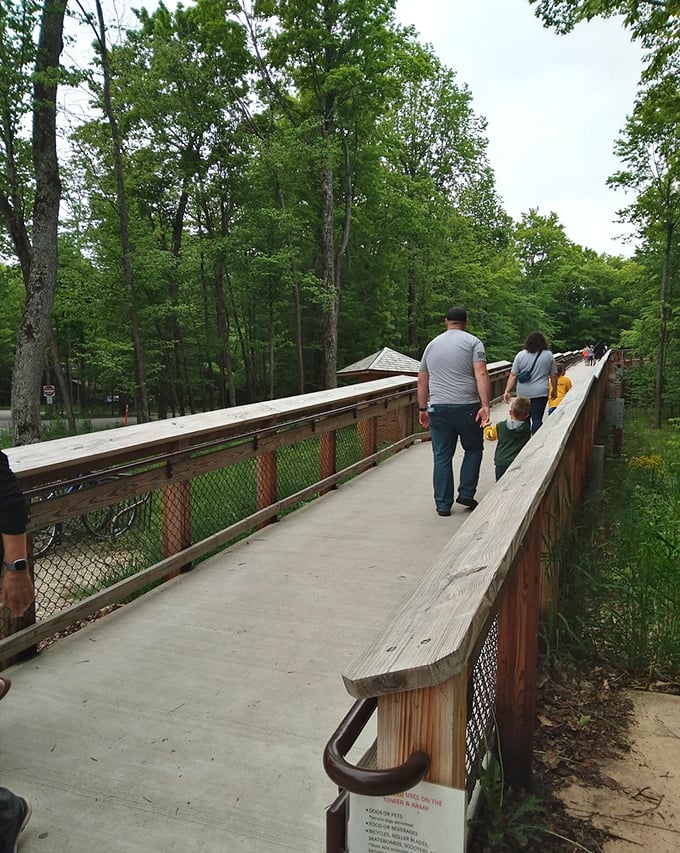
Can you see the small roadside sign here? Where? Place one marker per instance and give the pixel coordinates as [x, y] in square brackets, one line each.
[48, 390]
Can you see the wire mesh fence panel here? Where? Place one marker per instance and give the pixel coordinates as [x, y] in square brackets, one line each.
[349, 449]
[298, 467]
[480, 725]
[79, 556]
[221, 498]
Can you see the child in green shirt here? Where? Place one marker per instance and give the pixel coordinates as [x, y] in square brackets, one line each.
[511, 434]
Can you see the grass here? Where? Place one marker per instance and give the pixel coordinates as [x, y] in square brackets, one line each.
[621, 591]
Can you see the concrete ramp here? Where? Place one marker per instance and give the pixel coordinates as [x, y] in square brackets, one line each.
[195, 718]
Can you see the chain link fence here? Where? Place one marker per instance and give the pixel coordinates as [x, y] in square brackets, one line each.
[87, 548]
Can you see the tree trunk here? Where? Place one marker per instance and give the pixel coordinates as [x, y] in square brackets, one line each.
[297, 319]
[223, 338]
[663, 311]
[42, 279]
[297, 311]
[271, 360]
[62, 382]
[329, 312]
[141, 399]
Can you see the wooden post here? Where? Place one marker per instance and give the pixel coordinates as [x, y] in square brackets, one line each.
[433, 720]
[266, 482]
[368, 432]
[328, 444]
[407, 420]
[517, 661]
[176, 517]
[596, 477]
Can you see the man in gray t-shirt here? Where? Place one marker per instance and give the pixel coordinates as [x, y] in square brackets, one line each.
[453, 398]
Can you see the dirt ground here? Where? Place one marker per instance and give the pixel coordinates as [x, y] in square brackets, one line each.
[606, 769]
[609, 755]
[639, 805]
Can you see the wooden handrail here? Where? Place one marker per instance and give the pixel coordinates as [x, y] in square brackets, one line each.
[437, 630]
[418, 663]
[66, 457]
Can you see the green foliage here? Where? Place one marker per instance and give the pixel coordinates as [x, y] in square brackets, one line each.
[622, 593]
[503, 820]
[227, 123]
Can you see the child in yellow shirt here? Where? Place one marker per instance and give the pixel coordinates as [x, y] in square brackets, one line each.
[563, 385]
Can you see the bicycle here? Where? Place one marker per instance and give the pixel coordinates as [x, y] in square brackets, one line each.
[104, 523]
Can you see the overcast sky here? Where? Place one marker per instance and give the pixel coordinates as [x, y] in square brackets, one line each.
[554, 105]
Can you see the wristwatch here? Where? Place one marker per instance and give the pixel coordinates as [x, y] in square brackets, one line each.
[16, 566]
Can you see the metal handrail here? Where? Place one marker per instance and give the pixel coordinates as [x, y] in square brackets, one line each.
[361, 780]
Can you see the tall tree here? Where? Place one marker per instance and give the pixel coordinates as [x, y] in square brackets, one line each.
[650, 147]
[37, 250]
[338, 57]
[141, 396]
[435, 147]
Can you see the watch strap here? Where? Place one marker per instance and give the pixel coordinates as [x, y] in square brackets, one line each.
[16, 566]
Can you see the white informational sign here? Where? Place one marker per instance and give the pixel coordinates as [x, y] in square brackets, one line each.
[49, 400]
[427, 819]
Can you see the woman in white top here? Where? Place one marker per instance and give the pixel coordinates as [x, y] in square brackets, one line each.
[534, 372]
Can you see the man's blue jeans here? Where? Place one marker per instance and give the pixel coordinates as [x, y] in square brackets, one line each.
[447, 425]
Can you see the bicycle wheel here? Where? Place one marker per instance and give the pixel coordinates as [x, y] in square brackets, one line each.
[43, 540]
[123, 517]
[114, 520]
[98, 522]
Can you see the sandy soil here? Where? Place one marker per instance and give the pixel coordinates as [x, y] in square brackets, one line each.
[639, 807]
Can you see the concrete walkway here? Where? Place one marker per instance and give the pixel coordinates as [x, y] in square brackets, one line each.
[195, 718]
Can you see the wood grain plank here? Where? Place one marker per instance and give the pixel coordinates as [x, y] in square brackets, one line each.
[440, 625]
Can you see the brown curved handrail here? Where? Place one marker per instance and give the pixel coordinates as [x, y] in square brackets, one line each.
[360, 780]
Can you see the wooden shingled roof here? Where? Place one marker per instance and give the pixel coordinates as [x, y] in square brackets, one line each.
[386, 362]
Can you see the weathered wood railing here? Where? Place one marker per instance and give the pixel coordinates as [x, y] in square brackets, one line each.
[166, 458]
[474, 617]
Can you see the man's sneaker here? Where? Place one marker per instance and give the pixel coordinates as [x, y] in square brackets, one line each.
[8, 842]
[470, 503]
[444, 512]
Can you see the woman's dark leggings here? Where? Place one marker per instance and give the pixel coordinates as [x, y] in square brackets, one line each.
[538, 405]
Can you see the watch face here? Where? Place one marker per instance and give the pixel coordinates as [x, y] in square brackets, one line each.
[17, 566]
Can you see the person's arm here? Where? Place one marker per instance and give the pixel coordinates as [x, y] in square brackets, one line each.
[553, 383]
[484, 391]
[423, 393]
[491, 432]
[509, 385]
